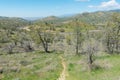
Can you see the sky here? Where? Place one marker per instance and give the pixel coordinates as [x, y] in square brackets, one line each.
[43, 8]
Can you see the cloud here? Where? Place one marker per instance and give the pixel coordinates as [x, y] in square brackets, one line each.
[82, 0]
[111, 4]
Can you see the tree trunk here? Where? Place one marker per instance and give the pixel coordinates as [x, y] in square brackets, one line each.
[90, 61]
[46, 47]
[77, 43]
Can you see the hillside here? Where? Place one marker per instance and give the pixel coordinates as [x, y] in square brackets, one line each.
[99, 17]
[12, 22]
[85, 46]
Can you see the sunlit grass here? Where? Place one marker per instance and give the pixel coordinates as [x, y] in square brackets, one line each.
[109, 68]
[41, 66]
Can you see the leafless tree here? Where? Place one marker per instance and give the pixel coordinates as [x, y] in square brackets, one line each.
[90, 47]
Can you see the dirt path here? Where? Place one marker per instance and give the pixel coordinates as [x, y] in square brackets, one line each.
[63, 73]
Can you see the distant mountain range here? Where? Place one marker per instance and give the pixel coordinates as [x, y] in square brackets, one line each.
[98, 17]
[89, 17]
[64, 16]
[116, 10]
[32, 18]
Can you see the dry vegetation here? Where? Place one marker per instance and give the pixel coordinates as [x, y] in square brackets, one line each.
[89, 51]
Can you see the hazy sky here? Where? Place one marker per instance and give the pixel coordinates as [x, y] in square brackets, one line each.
[42, 8]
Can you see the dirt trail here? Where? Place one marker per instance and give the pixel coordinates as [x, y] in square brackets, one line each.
[63, 73]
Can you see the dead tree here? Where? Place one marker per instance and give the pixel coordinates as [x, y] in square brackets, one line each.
[45, 38]
[90, 47]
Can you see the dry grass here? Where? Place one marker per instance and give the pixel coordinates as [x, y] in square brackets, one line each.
[30, 66]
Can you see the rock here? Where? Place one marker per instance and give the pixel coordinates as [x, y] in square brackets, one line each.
[24, 63]
[15, 69]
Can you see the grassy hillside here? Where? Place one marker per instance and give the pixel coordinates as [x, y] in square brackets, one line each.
[99, 17]
[12, 22]
[107, 67]
[81, 47]
[30, 66]
[40, 66]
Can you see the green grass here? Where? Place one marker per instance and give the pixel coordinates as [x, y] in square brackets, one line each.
[40, 66]
[108, 68]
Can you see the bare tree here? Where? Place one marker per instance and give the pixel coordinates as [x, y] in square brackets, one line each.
[43, 35]
[44, 38]
[90, 47]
